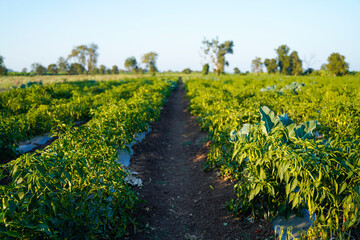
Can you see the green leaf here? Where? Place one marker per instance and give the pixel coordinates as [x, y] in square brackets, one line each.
[242, 135]
[336, 186]
[13, 234]
[12, 206]
[305, 130]
[21, 195]
[296, 201]
[67, 175]
[310, 126]
[255, 192]
[19, 180]
[262, 174]
[287, 189]
[40, 169]
[291, 130]
[283, 170]
[269, 119]
[233, 136]
[32, 203]
[80, 171]
[343, 187]
[299, 131]
[285, 120]
[293, 184]
[53, 208]
[5, 203]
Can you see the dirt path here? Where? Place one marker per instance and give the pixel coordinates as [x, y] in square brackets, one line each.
[183, 201]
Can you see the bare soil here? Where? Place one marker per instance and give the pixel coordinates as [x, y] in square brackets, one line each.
[182, 200]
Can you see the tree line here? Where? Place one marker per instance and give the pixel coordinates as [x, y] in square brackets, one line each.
[83, 60]
[291, 64]
[285, 63]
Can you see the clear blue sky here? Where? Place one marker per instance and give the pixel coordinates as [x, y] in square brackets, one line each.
[43, 30]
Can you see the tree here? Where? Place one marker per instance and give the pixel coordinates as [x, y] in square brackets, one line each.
[85, 55]
[92, 56]
[38, 69]
[130, 63]
[271, 65]
[3, 70]
[283, 59]
[52, 69]
[295, 64]
[187, 71]
[62, 64]
[149, 59]
[153, 69]
[256, 65]
[95, 71]
[337, 65]
[289, 65]
[115, 70]
[102, 69]
[76, 68]
[216, 52]
[236, 70]
[308, 71]
[205, 69]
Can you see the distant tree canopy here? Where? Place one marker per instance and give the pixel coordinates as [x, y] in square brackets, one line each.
[295, 64]
[187, 71]
[216, 52]
[52, 69]
[115, 70]
[205, 69]
[130, 64]
[83, 59]
[271, 65]
[149, 59]
[63, 65]
[38, 69]
[283, 59]
[3, 70]
[236, 70]
[102, 69]
[337, 65]
[256, 65]
[308, 71]
[284, 63]
[85, 56]
[76, 68]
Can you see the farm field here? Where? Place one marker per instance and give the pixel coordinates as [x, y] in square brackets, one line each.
[289, 142]
[162, 120]
[8, 82]
[75, 188]
[271, 145]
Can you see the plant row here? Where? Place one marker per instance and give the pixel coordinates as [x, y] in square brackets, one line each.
[74, 188]
[305, 158]
[41, 109]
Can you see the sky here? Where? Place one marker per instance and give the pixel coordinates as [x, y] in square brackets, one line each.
[41, 31]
